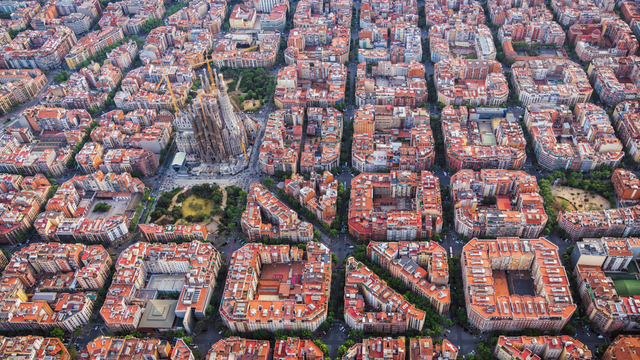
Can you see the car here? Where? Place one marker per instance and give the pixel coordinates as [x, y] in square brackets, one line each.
[600, 337]
[588, 334]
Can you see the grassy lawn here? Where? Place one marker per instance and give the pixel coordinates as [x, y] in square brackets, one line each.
[195, 204]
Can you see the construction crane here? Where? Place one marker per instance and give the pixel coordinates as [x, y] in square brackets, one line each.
[208, 61]
[244, 150]
[173, 98]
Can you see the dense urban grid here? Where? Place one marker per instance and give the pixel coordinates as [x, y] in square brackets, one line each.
[319, 179]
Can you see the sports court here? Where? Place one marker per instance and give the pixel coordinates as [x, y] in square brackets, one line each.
[520, 282]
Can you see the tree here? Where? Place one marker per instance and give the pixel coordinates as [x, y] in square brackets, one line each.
[72, 352]
[176, 212]
[324, 348]
[268, 182]
[101, 207]
[334, 232]
[61, 77]
[59, 333]
[342, 350]
[325, 326]
[187, 340]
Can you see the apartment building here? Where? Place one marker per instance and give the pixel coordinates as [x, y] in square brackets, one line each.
[408, 260]
[312, 13]
[627, 186]
[490, 303]
[76, 15]
[603, 306]
[242, 17]
[129, 160]
[225, 52]
[295, 348]
[27, 159]
[610, 254]
[154, 138]
[558, 81]
[403, 45]
[377, 349]
[394, 314]
[425, 349]
[90, 157]
[67, 311]
[33, 347]
[464, 38]
[324, 85]
[19, 86]
[517, 212]
[326, 125]
[480, 139]
[199, 262]
[91, 44]
[409, 85]
[386, 14]
[459, 82]
[20, 205]
[598, 223]
[159, 233]
[76, 93]
[506, 12]
[393, 138]
[278, 151]
[440, 12]
[283, 223]
[227, 348]
[40, 118]
[381, 210]
[131, 15]
[44, 50]
[128, 348]
[67, 217]
[535, 32]
[615, 79]
[545, 347]
[141, 88]
[623, 346]
[612, 37]
[204, 14]
[318, 194]
[331, 44]
[580, 140]
[583, 12]
[276, 20]
[297, 283]
[626, 120]
[22, 11]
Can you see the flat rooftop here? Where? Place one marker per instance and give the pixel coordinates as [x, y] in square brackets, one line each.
[164, 282]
